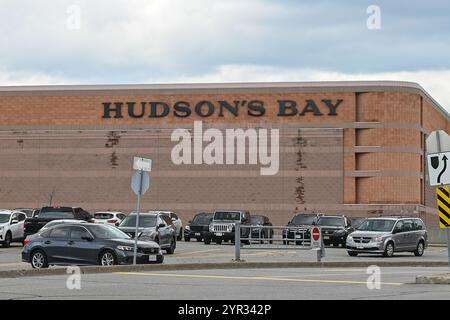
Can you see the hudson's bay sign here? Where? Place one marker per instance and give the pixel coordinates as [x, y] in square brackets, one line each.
[206, 108]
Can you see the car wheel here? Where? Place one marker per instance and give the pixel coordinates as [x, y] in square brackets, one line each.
[352, 253]
[8, 239]
[420, 249]
[107, 258]
[39, 259]
[180, 236]
[187, 239]
[199, 239]
[160, 259]
[173, 245]
[389, 250]
[207, 240]
[219, 241]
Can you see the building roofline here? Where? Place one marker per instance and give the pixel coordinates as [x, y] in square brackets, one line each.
[195, 88]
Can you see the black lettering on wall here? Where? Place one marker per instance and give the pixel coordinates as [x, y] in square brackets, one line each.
[311, 107]
[200, 106]
[332, 106]
[117, 110]
[132, 112]
[182, 109]
[232, 109]
[154, 109]
[287, 108]
[256, 108]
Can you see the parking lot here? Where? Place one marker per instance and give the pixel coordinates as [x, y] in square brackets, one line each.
[197, 252]
[267, 284]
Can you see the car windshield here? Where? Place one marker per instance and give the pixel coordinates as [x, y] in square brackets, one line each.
[4, 217]
[103, 215]
[227, 215]
[59, 213]
[301, 219]
[28, 212]
[331, 221]
[202, 219]
[256, 220]
[107, 232]
[357, 222]
[145, 221]
[382, 225]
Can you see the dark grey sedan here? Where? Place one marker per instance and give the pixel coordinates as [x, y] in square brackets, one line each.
[86, 244]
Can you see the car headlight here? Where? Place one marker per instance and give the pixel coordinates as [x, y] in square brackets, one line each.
[377, 239]
[211, 228]
[125, 248]
[187, 228]
[350, 238]
[229, 228]
[1, 228]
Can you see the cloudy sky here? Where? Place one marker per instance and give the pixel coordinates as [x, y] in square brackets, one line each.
[167, 41]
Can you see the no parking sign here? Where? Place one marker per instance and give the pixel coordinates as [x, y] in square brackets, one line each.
[316, 238]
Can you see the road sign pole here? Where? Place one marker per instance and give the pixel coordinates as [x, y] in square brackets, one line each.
[138, 209]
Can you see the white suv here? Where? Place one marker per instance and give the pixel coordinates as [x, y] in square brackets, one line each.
[11, 226]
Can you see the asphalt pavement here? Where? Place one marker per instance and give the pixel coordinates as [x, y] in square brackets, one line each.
[265, 284]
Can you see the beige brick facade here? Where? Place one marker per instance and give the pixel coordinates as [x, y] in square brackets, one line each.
[367, 159]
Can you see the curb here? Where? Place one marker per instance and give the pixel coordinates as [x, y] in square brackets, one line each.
[443, 278]
[225, 265]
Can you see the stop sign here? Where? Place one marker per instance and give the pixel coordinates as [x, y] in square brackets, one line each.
[316, 234]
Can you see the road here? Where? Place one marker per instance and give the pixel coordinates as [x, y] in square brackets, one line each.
[265, 284]
[195, 252]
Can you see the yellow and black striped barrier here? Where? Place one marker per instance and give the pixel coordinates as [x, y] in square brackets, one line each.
[443, 202]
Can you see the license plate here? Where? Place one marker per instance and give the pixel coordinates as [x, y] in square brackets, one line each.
[297, 236]
[219, 234]
[360, 247]
[326, 237]
[197, 234]
[152, 258]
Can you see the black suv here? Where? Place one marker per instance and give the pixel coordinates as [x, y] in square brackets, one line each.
[222, 226]
[198, 226]
[335, 229]
[47, 214]
[299, 234]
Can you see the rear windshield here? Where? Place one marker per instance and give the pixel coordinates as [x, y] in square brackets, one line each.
[202, 219]
[381, 225]
[227, 215]
[145, 221]
[60, 213]
[331, 221]
[103, 216]
[304, 219]
[256, 219]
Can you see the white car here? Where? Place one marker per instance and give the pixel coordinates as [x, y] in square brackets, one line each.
[176, 222]
[11, 226]
[109, 217]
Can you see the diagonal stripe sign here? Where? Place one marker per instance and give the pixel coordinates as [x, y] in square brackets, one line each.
[443, 202]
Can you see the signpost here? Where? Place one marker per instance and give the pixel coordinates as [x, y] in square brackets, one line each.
[438, 151]
[140, 183]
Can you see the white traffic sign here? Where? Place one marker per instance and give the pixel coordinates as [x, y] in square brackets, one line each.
[142, 164]
[439, 168]
[140, 182]
[437, 142]
[316, 238]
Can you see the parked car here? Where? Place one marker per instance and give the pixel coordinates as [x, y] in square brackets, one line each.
[11, 227]
[223, 225]
[335, 229]
[257, 232]
[387, 235]
[356, 221]
[176, 222]
[152, 227]
[47, 214]
[109, 217]
[86, 244]
[298, 228]
[30, 212]
[198, 226]
[57, 222]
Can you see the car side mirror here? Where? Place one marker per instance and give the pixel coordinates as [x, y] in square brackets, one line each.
[397, 230]
[173, 219]
[161, 225]
[14, 221]
[87, 238]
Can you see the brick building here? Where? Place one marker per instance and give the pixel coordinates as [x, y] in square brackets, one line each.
[354, 148]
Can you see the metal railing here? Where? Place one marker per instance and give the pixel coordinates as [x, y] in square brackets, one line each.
[256, 237]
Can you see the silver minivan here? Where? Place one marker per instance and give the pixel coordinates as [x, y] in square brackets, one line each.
[386, 235]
